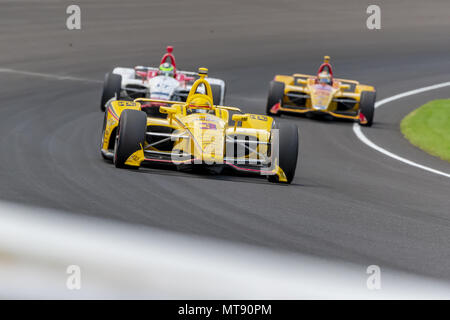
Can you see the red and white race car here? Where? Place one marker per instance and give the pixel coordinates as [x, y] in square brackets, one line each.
[163, 83]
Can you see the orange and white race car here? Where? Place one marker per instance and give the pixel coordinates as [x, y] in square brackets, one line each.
[322, 94]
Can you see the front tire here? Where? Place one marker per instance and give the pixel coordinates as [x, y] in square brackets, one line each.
[287, 151]
[276, 95]
[130, 135]
[111, 88]
[367, 106]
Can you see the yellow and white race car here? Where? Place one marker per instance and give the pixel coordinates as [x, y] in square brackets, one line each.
[322, 94]
[198, 134]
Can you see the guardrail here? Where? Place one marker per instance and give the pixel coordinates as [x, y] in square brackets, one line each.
[117, 260]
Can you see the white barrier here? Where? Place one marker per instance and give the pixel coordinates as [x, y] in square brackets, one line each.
[126, 261]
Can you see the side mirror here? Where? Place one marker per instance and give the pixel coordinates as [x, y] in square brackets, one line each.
[345, 87]
[169, 110]
[302, 81]
[238, 117]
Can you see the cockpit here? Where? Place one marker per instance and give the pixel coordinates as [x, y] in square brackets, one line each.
[200, 104]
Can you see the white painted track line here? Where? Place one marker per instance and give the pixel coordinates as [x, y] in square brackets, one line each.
[46, 75]
[361, 136]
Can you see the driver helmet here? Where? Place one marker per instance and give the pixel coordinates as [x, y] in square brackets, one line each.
[166, 69]
[199, 105]
[324, 78]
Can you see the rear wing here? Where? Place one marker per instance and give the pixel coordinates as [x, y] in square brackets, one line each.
[146, 69]
[347, 81]
[301, 79]
[180, 102]
[352, 83]
[301, 75]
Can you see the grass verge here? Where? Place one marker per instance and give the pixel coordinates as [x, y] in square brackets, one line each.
[428, 128]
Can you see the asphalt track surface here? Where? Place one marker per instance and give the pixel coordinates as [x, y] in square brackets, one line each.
[347, 201]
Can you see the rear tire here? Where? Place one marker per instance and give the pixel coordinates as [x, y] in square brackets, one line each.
[287, 151]
[130, 135]
[111, 88]
[367, 106]
[217, 94]
[276, 95]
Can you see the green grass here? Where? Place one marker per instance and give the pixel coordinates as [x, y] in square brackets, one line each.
[428, 128]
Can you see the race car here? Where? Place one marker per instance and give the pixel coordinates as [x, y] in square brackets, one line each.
[322, 94]
[165, 82]
[197, 134]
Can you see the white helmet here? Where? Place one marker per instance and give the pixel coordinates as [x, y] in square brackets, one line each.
[325, 78]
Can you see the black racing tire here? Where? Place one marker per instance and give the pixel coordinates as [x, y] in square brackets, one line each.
[287, 151]
[217, 94]
[130, 135]
[367, 106]
[111, 88]
[276, 95]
